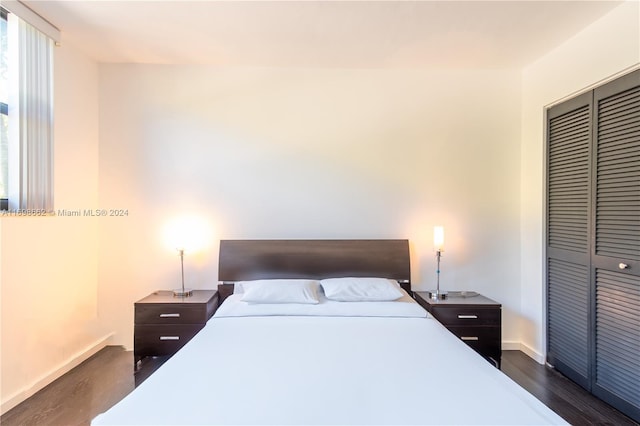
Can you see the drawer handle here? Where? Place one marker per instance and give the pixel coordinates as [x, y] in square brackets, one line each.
[467, 317]
[169, 337]
[469, 338]
[169, 315]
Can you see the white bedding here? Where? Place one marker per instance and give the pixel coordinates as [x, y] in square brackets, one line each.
[402, 307]
[307, 370]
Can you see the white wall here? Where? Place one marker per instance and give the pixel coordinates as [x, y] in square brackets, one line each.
[49, 264]
[295, 153]
[605, 48]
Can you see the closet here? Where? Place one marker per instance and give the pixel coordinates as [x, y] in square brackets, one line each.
[593, 241]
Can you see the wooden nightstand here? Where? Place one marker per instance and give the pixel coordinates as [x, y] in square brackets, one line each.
[477, 320]
[163, 323]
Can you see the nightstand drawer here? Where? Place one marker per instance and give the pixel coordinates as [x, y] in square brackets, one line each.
[157, 340]
[461, 316]
[484, 340]
[170, 313]
[477, 336]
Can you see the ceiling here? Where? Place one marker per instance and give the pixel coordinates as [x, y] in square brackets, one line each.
[331, 34]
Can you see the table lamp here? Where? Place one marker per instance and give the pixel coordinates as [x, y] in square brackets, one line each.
[438, 245]
[186, 234]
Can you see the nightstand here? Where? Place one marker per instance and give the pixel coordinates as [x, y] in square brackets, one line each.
[475, 319]
[164, 323]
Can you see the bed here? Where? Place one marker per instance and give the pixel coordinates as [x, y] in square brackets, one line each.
[305, 336]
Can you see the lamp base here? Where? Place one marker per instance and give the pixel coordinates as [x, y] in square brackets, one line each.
[438, 295]
[183, 293]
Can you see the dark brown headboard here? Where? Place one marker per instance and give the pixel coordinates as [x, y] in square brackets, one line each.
[317, 259]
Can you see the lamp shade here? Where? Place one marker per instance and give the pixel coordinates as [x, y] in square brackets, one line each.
[188, 233]
[438, 238]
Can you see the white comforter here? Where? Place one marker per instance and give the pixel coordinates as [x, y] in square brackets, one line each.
[307, 370]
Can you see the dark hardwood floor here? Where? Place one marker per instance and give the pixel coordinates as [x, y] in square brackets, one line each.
[105, 378]
[81, 394]
[563, 396]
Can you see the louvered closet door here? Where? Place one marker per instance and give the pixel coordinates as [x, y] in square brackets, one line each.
[616, 249]
[568, 243]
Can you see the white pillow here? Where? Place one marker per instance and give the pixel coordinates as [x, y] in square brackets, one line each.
[280, 291]
[403, 307]
[361, 289]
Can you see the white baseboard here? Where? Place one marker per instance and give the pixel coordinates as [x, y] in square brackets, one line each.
[75, 360]
[536, 356]
[519, 346]
[510, 346]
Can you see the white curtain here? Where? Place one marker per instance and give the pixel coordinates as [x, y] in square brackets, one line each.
[32, 183]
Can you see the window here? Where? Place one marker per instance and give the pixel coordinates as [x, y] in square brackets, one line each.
[4, 111]
[26, 107]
